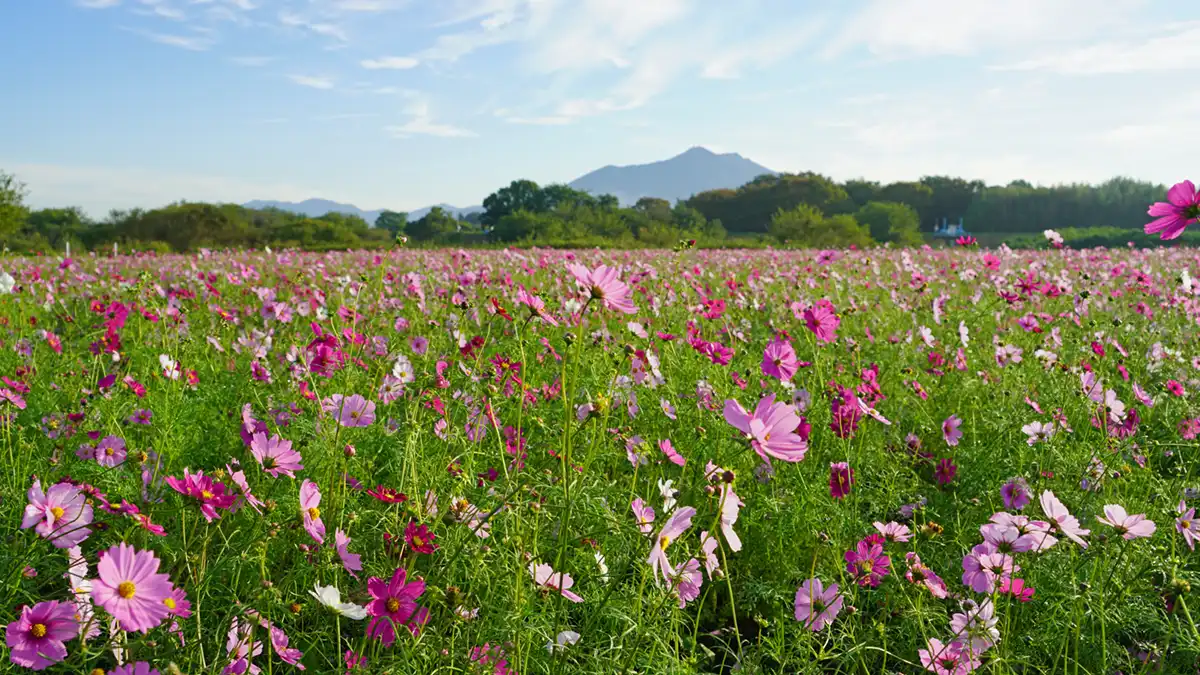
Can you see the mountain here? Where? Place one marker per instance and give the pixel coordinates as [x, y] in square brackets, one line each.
[679, 177]
[314, 208]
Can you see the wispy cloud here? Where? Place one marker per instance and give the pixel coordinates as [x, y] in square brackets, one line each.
[1172, 48]
[344, 116]
[390, 63]
[97, 4]
[315, 82]
[162, 9]
[200, 40]
[290, 20]
[422, 124]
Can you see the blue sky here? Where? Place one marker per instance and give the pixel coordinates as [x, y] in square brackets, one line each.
[405, 103]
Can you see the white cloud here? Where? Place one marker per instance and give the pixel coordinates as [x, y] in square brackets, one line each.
[160, 8]
[334, 31]
[200, 41]
[312, 81]
[97, 4]
[546, 120]
[367, 5]
[422, 124]
[390, 63]
[904, 28]
[1171, 48]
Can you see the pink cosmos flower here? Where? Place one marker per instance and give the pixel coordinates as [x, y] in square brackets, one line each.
[731, 506]
[1007, 539]
[130, 588]
[841, 477]
[279, 642]
[395, 604]
[644, 513]
[822, 320]
[419, 538]
[997, 567]
[603, 284]
[708, 548]
[60, 515]
[211, 494]
[1017, 588]
[110, 451]
[974, 575]
[976, 627]
[893, 531]
[351, 561]
[867, 563]
[536, 306]
[310, 501]
[36, 639]
[947, 659]
[1130, 527]
[920, 573]
[950, 430]
[545, 577]
[816, 606]
[1015, 494]
[1173, 216]
[1037, 530]
[779, 360]
[139, 668]
[1187, 525]
[351, 411]
[770, 430]
[687, 582]
[238, 477]
[275, 455]
[678, 523]
[672, 454]
[1062, 520]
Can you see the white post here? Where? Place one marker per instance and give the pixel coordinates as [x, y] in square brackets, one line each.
[68, 249]
[114, 248]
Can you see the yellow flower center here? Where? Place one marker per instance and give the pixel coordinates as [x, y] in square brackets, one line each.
[664, 542]
[169, 602]
[1186, 524]
[38, 630]
[419, 541]
[125, 589]
[866, 566]
[57, 512]
[393, 605]
[206, 494]
[97, 671]
[314, 513]
[108, 451]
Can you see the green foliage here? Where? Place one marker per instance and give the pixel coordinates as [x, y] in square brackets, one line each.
[805, 226]
[891, 222]
[433, 226]
[750, 208]
[391, 222]
[12, 204]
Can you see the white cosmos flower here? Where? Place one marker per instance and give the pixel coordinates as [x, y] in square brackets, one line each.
[565, 639]
[331, 597]
[6, 282]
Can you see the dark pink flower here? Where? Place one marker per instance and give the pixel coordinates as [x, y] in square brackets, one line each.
[841, 477]
[1173, 216]
[867, 563]
[36, 638]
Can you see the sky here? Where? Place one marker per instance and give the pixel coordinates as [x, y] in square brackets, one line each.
[404, 103]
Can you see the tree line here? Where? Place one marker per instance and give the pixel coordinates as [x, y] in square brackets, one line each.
[803, 209]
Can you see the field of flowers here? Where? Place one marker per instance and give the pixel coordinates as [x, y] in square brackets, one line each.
[601, 462]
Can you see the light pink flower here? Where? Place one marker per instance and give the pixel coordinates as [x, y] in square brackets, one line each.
[604, 284]
[816, 606]
[1062, 520]
[678, 523]
[310, 501]
[1130, 527]
[731, 506]
[770, 429]
[275, 455]
[130, 588]
[351, 561]
[546, 577]
[60, 514]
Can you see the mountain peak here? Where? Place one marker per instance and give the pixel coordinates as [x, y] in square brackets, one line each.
[695, 170]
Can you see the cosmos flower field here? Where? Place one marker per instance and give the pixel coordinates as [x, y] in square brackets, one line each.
[536, 461]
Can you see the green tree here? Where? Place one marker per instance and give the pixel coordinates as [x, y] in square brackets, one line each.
[861, 191]
[433, 226]
[917, 195]
[891, 222]
[392, 222]
[58, 226]
[12, 204]
[796, 225]
[520, 194]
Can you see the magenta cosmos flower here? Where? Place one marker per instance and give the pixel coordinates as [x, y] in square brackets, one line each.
[536, 305]
[947, 659]
[822, 320]
[275, 455]
[603, 284]
[36, 639]
[779, 360]
[817, 606]
[951, 431]
[310, 501]
[841, 477]
[678, 523]
[1187, 525]
[61, 514]
[130, 588]
[394, 604]
[867, 563]
[1173, 216]
[211, 494]
[139, 668]
[1130, 527]
[560, 582]
[770, 429]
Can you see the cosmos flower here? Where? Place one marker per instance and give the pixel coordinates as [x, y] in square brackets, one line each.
[36, 639]
[816, 606]
[331, 598]
[779, 360]
[770, 429]
[560, 582]
[351, 561]
[275, 455]
[394, 603]
[211, 494]
[677, 523]
[60, 514]
[604, 284]
[310, 501]
[1173, 216]
[1129, 527]
[841, 477]
[130, 588]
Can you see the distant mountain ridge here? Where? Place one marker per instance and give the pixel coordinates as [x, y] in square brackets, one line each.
[680, 177]
[314, 208]
[691, 172]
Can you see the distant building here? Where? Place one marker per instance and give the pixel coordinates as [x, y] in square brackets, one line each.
[950, 230]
